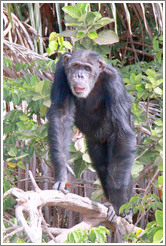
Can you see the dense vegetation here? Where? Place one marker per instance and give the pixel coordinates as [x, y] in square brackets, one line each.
[127, 35]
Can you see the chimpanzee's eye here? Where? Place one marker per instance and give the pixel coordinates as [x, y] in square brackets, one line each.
[75, 65]
[87, 68]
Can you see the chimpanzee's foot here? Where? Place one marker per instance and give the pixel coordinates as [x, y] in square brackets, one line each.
[111, 215]
[60, 186]
[129, 216]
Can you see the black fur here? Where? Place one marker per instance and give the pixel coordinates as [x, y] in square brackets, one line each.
[105, 118]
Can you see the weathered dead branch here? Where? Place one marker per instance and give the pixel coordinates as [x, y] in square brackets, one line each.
[20, 54]
[32, 202]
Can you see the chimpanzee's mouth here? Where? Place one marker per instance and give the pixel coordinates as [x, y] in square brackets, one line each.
[78, 89]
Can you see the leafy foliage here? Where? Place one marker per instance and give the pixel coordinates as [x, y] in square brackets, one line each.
[57, 42]
[153, 231]
[84, 35]
[27, 98]
[95, 235]
[20, 125]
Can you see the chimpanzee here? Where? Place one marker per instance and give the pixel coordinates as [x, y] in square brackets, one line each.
[90, 93]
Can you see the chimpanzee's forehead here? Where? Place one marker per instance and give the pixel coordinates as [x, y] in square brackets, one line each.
[86, 56]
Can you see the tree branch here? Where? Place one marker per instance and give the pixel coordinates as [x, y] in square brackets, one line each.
[31, 202]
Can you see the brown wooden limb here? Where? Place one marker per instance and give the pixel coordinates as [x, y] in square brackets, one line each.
[143, 129]
[31, 203]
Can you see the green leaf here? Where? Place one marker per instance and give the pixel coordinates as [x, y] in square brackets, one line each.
[76, 236]
[78, 167]
[149, 86]
[107, 37]
[97, 195]
[12, 151]
[21, 157]
[160, 180]
[135, 199]
[39, 87]
[135, 210]
[80, 34]
[48, 50]
[6, 92]
[74, 12]
[69, 33]
[7, 62]
[87, 43]
[160, 167]
[36, 98]
[151, 73]
[70, 238]
[98, 15]
[86, 158]
[155, 44]
[81, 7]
[47, 103]
[21, 165]
[34, 79]
[53, 45]
[92, 235]
[19, 240]
[159, 217]
[124, 206]
[97, 235]
[60, 40]
[104, 229]
[105, 21]
[136, 169]
[158, 236]
[103, 49]
[21, 126]
[159, 122]
[140, 88]
[67, 45]
[43, 110]
[158, 91]
[18, 67]
[95, 27]
[93, 35]
[159, 55]
[138, 78]
[53, 36]
[92, 17]
[15, 99]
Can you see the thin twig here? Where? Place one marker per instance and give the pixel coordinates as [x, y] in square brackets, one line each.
[36, 187]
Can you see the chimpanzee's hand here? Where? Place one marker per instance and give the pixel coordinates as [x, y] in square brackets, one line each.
[111, 215]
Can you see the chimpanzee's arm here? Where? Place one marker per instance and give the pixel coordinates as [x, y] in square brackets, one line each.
[118, 102]
[60, 120]
[121, 149]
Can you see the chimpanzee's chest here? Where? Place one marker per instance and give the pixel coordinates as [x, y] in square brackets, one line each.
[92, 121]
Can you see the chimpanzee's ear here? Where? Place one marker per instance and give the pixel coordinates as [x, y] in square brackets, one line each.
[102, 65]
[66, 58]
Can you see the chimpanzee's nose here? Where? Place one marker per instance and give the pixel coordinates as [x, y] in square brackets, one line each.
[80, 75]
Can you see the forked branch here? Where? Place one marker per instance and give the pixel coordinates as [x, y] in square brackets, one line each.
[32, 202]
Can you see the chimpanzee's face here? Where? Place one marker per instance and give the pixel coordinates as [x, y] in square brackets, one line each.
[82, 72]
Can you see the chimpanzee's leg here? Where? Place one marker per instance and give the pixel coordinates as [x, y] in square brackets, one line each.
[113, 160]
[120, 152]
[98, 154]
